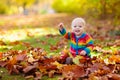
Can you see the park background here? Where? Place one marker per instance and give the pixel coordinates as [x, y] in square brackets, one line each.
[33, 23]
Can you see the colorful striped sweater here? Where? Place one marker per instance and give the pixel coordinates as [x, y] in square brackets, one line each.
[77, 44]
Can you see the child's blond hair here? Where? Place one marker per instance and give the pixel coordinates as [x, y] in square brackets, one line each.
[78, 19]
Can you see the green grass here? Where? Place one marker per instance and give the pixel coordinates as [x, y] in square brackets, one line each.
[5, 76]
[39, 36]
[34, 43]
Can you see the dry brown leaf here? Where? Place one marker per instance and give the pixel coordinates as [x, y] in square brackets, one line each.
[51, 73]
[27, 44]
[21, 57]
[104, 78]
[114, 76]
[3, 63]
[29, 68]
[10, 64]
[77, 71]
[53, 48]
[38, 76]
[29, 77]
[2, 43]
[15, 43]
[31, 60]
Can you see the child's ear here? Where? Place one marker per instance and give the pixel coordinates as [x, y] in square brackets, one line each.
[85, 28]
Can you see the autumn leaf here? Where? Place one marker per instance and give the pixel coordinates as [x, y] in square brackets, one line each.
[42, 69]
[10, 64]
[2, 42]
[29, 77]
[1, 55]
[15, 43]
[77, 71]
[38, 75]
[114, 76]
[21, 57]
[57, 64]
[53, 48]
[29, 34]
[27, 44]
[31, 59]
[29, 68]
[79, 60]
[3, 63]
[115, 58]
[51, 73]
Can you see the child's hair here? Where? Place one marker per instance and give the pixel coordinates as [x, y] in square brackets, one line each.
[78, 19]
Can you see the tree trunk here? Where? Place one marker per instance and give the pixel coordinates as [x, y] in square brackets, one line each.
[103, 9]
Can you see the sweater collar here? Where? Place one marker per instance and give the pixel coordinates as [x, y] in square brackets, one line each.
[83, 34]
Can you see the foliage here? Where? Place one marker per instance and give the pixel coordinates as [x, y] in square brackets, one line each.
[11, 7]
[94, 8]
[24, 2]
[3, 8]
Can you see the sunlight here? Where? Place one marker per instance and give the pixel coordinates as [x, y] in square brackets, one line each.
[6, 47]
[20, 34]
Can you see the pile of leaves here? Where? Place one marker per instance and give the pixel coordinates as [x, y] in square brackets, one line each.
[34, 63]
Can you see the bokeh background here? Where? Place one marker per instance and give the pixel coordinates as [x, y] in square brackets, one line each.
[93, 8]
[26, 24]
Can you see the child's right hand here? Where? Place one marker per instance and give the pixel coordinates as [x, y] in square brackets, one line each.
[60, 26]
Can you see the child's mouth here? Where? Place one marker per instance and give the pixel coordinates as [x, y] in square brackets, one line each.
[77, 31]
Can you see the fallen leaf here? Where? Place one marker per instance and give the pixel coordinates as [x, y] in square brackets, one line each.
[2, 43]
[77, 71]
[3, 63]
[38, 76]
[53, 48]
[114, 76]
[51, 73]
[29, 77]
[15, 43]
[21, 57]
[31, 59]
[29, 68]
[1, 55]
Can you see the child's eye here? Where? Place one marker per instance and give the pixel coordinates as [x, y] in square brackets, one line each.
[75, 26]
[80, 26]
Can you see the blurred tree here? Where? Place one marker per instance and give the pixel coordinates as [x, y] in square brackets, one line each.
[3, 7]
[24, 4]
[7, 5]
[93, 8]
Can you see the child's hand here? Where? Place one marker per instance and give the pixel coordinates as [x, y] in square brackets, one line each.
[83, 53]
[60, 26]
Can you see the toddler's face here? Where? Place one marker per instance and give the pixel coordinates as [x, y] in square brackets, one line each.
[78, 28]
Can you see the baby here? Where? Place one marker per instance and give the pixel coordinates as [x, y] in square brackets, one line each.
[81, 42]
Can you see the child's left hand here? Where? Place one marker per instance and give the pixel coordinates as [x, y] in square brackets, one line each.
[83, 53]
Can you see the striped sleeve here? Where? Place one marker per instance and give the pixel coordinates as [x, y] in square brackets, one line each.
[64, 33]
[89, 45]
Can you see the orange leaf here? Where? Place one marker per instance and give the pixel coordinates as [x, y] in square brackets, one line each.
[1, 55]
[77, 71]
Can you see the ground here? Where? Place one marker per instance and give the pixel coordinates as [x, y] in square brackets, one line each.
[20, 32]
